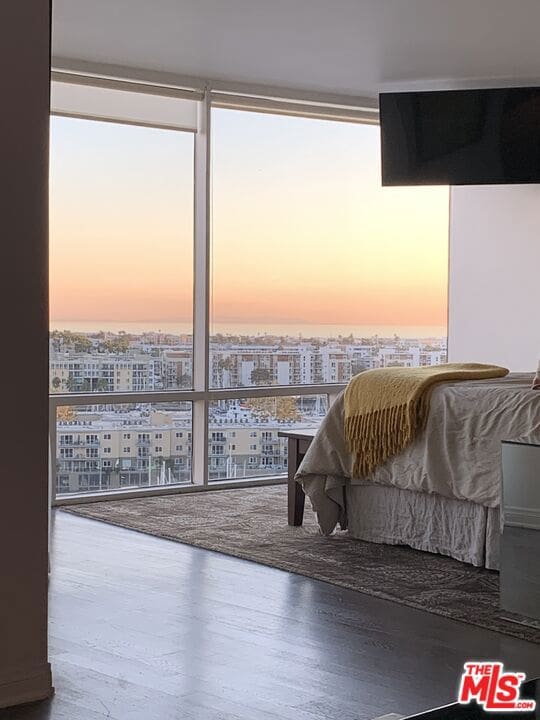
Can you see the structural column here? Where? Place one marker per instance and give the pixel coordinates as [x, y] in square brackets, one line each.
[24, 137]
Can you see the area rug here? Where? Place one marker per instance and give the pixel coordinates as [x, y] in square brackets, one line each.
[251, 524]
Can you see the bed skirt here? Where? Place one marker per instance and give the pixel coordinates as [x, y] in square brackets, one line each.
[457, 528]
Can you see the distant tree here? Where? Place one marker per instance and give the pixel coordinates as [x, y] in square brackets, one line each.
[80, 343]
[118, 345]
[356, 368]
[261, 376]
[283, 409]
[56, 339]
[184, 381]
[56, 382]
[65, 413]
[287, 410]
[226, 363]
[262, 408]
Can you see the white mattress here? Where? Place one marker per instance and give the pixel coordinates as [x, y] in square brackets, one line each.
[460, 529]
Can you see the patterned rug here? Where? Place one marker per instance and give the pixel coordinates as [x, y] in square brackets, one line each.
[251, 523]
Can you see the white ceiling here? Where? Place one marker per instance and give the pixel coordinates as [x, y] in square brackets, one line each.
[344, 46]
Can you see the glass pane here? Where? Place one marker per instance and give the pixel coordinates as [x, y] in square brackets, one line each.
[318, 270]
[114, 447]
[243, 436]
[121, 251]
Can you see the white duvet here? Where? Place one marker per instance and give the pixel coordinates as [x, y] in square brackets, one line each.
[457, 455]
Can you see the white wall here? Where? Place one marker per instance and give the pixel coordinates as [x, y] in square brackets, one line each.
[24, 136]
[494, 293]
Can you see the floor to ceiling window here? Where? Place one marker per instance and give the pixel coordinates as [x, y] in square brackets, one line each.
[121, 257]
[215, 283]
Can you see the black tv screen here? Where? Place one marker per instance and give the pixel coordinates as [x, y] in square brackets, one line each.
[461, 137]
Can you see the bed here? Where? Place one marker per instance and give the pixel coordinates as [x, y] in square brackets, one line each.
[442, 493]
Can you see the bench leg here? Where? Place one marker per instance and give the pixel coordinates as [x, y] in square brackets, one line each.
[297, 501]
[296, 496]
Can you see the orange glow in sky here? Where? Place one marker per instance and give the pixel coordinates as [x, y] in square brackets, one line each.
[302, 231]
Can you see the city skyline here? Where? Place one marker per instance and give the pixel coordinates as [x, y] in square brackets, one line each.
[113, 446]
[109, 362]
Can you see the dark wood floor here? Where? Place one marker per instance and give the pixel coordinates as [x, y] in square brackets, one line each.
[146, 629]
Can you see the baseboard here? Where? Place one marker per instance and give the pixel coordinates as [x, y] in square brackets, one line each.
[33, 687]
[522, 517]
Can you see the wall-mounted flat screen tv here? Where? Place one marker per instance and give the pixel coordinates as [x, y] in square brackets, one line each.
[461, 137]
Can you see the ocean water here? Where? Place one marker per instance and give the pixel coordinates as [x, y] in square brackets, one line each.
[255, 330]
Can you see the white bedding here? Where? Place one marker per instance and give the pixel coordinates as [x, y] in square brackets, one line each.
[456, 456]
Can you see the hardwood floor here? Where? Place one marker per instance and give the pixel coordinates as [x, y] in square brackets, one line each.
[146, 629]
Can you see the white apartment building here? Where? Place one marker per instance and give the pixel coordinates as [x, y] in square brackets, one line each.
[293, 365]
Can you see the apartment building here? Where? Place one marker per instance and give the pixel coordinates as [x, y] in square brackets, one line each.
[83, 372]
[98, 451]
[152, 365]
[407, 356]
[111, 450]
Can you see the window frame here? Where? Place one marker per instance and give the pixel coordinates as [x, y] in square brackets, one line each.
[202, 394]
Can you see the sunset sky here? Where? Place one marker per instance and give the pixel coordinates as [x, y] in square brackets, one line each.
[303, 233]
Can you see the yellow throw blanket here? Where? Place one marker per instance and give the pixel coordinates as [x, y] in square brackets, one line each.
[384, 409]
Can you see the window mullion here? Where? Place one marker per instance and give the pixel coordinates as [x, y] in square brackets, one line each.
[201, 300]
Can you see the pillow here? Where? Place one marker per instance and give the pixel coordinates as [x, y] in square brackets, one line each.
[536, 381]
